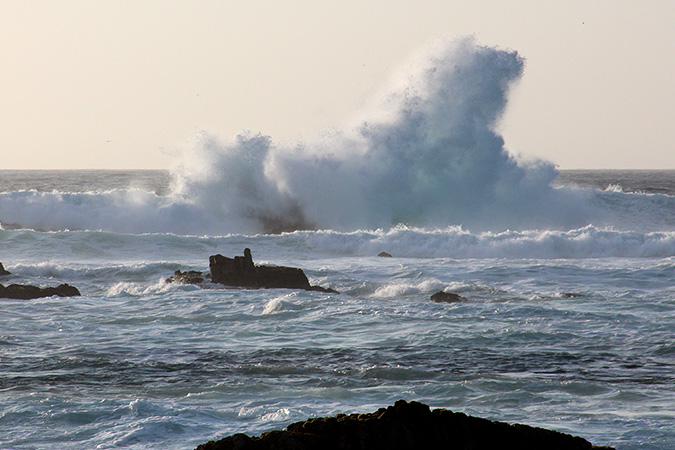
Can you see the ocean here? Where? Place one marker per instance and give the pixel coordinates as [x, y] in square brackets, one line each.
[570, 330]
[568, 278]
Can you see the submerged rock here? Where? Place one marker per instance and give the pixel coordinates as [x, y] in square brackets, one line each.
[447, 297]
[403, 426]
[188, 277]
[241, 272]
[27, 292]
[3, 271]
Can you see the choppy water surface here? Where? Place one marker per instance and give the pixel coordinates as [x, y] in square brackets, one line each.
[568, 321]
[579, 345]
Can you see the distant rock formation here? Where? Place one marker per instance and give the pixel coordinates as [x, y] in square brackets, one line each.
[447, 297]
[27, 292]
[385, 255]
[3, 271]
[404, 426]
[241, 272]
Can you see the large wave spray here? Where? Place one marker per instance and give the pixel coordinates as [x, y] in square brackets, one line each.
[427, 156]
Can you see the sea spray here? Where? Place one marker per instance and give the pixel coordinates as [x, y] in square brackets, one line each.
[427, 156]
[231, 184]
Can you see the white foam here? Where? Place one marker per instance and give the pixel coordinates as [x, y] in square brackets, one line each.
[137, 289]
[402, 288]
[277, 416]
[455, 242]
[279, 304]
[427, 156]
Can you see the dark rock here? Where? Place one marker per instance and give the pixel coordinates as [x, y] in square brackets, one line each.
[571, 295]
[404, 426]
[26, 292]
[385, 255]
[322, 289]
[188, 277]
[241, 272]
[3, 271]
[447, 297]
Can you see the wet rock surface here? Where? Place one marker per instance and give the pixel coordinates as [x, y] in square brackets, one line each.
[27, 292]
[447, 297]
[404, 426]
[187, 277]
[240, 271]
[3, 271]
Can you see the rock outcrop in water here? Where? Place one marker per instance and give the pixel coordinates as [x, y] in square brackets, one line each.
[27, 292]
[187, 277]
[404, 426]
[447, 297]
[241, 272]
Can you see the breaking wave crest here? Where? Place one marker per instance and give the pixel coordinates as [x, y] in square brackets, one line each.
[428, 156]
[401, 241]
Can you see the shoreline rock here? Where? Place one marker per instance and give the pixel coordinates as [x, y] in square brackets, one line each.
[28, 292]
[404, 426]
[3, 271]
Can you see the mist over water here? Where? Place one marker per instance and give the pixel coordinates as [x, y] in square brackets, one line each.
[427, 154]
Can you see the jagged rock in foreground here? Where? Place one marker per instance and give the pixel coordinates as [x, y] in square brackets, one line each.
[27, 292]
[3, 271]
[241, 272]
[404, 426]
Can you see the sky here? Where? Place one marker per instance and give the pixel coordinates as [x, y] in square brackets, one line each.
[127, 84]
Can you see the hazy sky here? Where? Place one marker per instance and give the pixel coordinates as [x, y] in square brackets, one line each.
[124, 84]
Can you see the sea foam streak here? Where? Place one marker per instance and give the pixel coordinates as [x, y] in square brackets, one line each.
[428, 157]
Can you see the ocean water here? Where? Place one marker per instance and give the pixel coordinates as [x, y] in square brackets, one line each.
[569, 280]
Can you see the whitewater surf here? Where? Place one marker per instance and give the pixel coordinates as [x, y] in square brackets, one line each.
[568, 280]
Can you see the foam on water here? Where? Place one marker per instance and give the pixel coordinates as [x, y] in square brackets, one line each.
[568, 321]
[454, 242]
[140, 364]
[159, 255]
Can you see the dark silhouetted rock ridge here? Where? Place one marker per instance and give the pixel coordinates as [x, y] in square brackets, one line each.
[27, 292]
[241, 272]
[404, 426]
